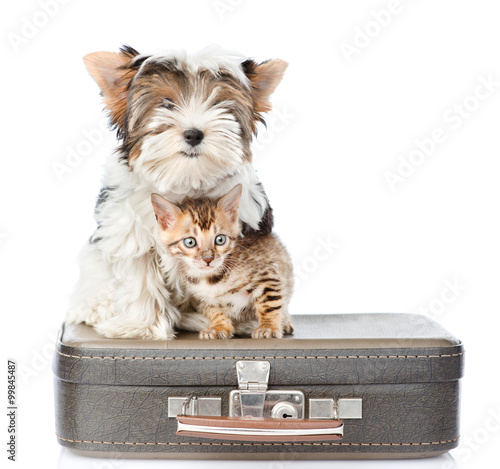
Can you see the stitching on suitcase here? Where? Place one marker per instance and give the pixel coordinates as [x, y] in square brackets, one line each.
[257, 444]
[259, 358]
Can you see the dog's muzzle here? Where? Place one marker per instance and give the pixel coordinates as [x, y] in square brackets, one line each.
[193, 137]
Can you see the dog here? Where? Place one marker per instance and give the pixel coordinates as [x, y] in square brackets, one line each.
[184, 124]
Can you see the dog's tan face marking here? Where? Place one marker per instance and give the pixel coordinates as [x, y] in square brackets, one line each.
[185, 122]
[174, 87]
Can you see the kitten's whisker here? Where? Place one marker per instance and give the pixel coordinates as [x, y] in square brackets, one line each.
[232, 266]
[243, 247]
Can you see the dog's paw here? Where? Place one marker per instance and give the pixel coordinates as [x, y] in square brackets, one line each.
[216, 332]
[266, 333]
[155, 333]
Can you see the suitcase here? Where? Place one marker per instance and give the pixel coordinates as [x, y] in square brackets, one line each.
[354, 386]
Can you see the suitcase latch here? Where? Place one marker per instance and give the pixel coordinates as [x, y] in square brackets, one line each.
[254, 399]
[253, 375]
[343, 408]
[194, 406]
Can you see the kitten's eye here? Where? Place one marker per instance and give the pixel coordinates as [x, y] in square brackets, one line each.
[168, 103]
[220, 240]
[189, 242]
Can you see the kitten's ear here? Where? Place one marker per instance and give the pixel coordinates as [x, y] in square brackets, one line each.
[230, 203]
[166, 212]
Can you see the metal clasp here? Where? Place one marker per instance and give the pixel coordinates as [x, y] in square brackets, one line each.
[194, 406]
[343, 408]
[253, 375]
[253, 399]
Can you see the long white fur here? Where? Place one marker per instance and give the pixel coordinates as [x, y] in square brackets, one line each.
[213, 58]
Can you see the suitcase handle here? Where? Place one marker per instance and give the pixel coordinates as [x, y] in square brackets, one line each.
[259, 429]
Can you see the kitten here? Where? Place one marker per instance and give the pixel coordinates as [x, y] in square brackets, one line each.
[234, 279]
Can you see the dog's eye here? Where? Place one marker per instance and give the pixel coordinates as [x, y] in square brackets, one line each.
[216, 103]
[168, 103]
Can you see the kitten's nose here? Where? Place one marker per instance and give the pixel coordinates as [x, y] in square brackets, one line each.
[208, 259]
[193, 136]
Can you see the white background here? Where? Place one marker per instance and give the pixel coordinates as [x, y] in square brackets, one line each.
[340, 123]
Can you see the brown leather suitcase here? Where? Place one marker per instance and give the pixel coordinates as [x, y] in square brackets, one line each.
[343, 386]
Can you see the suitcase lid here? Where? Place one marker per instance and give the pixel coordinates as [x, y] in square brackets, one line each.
[382, 348]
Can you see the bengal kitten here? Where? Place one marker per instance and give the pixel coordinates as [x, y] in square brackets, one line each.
[234, 279]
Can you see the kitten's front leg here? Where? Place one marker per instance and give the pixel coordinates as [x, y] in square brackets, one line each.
[221, 326]
[269, 309]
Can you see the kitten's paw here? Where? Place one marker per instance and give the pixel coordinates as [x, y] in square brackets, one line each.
[216, 333]
[288, 328]
[266, 333]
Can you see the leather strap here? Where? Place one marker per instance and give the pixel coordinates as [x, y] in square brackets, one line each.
[259, 429]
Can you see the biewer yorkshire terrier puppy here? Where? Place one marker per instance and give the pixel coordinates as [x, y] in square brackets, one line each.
[184, 124]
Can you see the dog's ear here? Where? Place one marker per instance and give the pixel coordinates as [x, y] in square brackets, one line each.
[166, 212]
[230, 203]
[264, 78]
[112, 71]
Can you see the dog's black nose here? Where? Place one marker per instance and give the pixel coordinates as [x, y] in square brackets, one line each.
[193, 136]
